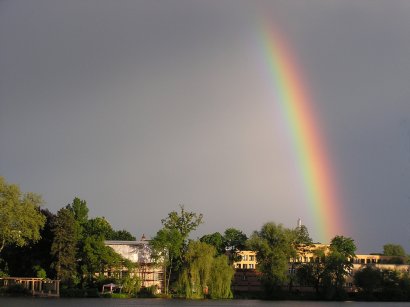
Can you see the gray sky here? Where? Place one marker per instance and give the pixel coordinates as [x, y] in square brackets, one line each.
[139, 106]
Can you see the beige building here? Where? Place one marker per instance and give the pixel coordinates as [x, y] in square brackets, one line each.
[139, 252]
[246, 269]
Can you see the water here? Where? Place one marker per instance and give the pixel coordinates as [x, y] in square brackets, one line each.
[100, 302]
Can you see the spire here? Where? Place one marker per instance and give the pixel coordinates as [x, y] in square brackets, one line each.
[299, 223]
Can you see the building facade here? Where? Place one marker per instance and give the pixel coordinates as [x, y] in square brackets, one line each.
[246, 276]
[139, 252]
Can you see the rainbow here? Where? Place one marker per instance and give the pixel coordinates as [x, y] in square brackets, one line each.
[292, 99]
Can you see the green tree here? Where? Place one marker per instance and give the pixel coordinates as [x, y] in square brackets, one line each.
[234, 241]
[302, 246]
[64, 246]
[97, 258]
[166, 250]
[121, 235]
[20, 217]
[312, 273]
[131, 284]
[338, 265]
[98, 226]
[369, 279]
[220, 280]
[21, 260]
[396, 251]
[216, 240]
[184, 222]
[80, 210]
[274, 248]
[203, 272]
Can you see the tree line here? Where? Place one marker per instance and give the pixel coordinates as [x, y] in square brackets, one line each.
[69, 246]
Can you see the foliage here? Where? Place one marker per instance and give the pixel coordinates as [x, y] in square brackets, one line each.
[312, 273]
[166, 249]
[64, 247]
[369, 279]
[121, 235]
[98, 226]
[338, 262]
[97, 258]
[216, 240]
[18, 290]
[394, 250]
[273, 246]
[22, 260]
[20, 217]
[131, 285]
[184, 222]
[221, 276]
[204, 272]
[40, 272]
[234, 241]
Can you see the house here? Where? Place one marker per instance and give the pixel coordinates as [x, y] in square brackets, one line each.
[139, 252]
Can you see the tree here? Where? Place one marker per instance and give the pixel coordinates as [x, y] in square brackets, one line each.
[26, 260]
[234, 241]
[79, 211]
[184, 222]
[338, 265]
[95, 258]
[302, 246]
[64, 247]
[369, 279]
[394, 250]
[131, 284]
[166, 250]
[220, 278]
[98, 226]
[20, 217]
[203, 272]
[122, 235]
[273, 246]
[216, 240]
[312, 273]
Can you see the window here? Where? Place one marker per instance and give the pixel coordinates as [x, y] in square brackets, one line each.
[238, 265]
[252, 258]
[251, 266]
[245, 266]
[245, 257]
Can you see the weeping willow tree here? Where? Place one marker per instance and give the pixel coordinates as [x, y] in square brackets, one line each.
[204, 273]
[220, 278]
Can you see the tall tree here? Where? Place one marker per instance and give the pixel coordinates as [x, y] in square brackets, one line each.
[274, 248]
[312, 273]
[216, 240]
[184, 221]
[166, 250]
[395, 250]
[368, 279]
[20, 216]
[234, 241]
[29, 259]
[64, 247]
[204, 273]
[338, 265]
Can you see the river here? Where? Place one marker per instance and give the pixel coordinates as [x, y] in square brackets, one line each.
[101, 302]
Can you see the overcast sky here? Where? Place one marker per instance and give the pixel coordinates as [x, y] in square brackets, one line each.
[139, 106]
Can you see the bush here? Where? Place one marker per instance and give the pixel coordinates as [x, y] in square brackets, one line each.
[73, 292]
[17, 289]
[149, 292]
